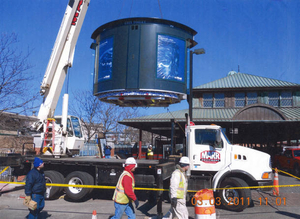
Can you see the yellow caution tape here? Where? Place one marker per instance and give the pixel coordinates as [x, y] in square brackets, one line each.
[149, 189]
[157, 189]
[4, 170]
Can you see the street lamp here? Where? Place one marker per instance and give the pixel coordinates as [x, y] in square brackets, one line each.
[197, 52]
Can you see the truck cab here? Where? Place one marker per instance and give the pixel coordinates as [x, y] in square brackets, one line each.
[74, 133]
[214, 159]
[73, 137]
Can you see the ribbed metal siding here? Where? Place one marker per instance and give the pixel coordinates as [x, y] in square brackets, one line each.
[240, 80]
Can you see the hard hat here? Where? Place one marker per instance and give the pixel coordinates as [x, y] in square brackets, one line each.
[184, 160]
[130, 160]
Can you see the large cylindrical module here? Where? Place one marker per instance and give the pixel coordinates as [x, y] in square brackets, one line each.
[141, 61]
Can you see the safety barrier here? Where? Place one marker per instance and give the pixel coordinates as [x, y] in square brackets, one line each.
[89, 150]
[276, 183]
[5, 174]
[204, 206]
[158, 189]
[155, 156]
[94, 215]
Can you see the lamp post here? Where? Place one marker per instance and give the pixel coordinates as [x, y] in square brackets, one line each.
[197, 52]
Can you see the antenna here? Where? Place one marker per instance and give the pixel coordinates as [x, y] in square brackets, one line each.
[239, 68]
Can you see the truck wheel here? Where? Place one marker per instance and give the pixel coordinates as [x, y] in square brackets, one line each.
[78, 178]
[234, 199]
[296, 170]
[51, 176]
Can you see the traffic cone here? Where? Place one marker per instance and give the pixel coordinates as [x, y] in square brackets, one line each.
[276, 183]
[204, 206]
[94, 215]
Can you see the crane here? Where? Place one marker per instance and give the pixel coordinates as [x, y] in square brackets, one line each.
[65, 131]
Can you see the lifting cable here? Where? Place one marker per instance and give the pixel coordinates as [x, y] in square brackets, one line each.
[160, 9]
[130, 8]
[121, 9]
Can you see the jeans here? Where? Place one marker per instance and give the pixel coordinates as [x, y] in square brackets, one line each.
[40, 200]
[107, 156]
[121, 208]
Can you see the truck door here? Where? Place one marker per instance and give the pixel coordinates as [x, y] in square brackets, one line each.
[205, 153]
[287, 159]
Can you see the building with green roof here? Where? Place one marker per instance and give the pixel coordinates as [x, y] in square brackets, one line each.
[254, 110]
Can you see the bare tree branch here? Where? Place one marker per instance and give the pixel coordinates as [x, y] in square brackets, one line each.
[14, 76]
[97, 116]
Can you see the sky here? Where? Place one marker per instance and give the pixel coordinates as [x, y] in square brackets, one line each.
[259, 36]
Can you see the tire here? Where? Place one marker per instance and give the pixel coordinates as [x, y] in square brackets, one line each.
[234, 199]
[296, 170]
[78, 178]
[52, 176]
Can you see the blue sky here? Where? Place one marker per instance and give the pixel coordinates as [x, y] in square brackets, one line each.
[261, 36]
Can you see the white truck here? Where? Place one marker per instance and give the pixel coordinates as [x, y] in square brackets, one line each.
[215, 161]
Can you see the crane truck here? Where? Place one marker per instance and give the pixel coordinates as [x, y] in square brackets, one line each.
[61, 135]
[215, 162]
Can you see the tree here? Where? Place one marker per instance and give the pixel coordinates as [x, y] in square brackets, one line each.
[14, 76]
[132, 135]
[97, 116]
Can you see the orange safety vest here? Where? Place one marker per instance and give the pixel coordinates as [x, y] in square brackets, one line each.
[119, 194]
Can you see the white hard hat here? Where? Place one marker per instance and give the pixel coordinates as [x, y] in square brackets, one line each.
[130, 160]
[184, 160]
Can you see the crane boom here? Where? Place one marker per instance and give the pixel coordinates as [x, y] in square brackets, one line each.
[62, 57]
[69, 138]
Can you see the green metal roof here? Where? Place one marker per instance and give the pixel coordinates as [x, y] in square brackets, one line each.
[242, 80]
[224, 114]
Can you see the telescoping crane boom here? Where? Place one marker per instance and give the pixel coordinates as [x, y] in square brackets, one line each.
[61, 59]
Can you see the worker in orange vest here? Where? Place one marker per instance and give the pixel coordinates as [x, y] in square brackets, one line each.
[124, 192]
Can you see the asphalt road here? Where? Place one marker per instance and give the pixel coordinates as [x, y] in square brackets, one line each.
[285, 206]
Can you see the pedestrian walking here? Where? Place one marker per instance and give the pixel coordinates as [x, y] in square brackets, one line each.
[178, 190]
[107, 152]
[35, 188]
[124, 192]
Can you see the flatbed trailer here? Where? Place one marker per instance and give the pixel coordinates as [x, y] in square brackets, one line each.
[153, 175]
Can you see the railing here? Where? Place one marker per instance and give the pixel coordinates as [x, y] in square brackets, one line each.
[6, 174]
[89, 149]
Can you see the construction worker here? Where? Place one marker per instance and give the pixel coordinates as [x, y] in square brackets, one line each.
[124, 192]
[35, 187]
[178, 190]
[150, 153]
[107, 152]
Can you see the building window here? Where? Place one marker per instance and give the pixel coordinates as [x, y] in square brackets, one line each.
[251, 98]
[274, 99]
[219, 100]
[208, 100]
[286, 99]
[239, 99]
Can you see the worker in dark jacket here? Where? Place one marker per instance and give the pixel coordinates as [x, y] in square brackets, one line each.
[35, 187]
[107, 152]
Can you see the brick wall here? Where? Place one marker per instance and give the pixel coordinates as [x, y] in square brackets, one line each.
[15, 143]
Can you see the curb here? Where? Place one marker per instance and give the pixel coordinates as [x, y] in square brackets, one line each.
[9, 190]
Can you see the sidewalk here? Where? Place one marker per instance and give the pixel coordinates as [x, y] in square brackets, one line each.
[11, 190]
